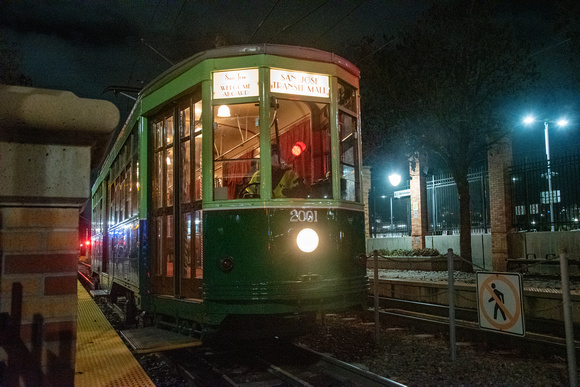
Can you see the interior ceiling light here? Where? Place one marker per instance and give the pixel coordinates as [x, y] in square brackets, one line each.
[224, 111]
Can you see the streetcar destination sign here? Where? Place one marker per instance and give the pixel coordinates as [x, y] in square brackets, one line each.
[235, 84]
[300, 83]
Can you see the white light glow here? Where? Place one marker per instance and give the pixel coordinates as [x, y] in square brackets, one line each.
[307, 240]
[395, 179]
[224, 111]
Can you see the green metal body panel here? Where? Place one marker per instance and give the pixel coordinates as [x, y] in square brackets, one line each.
[271, 275]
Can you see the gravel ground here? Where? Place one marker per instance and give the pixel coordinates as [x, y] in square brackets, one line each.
[418, 359]
[408, 357]
[414, 358]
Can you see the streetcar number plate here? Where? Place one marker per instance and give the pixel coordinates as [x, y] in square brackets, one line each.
[309, 216]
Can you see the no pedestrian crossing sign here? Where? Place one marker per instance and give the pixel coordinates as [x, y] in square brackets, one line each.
[500, 303]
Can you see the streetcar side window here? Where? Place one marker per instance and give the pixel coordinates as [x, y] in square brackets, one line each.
[236, 151]
[349, 151]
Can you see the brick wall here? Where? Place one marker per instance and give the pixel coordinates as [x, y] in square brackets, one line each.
[41, 189]
[38, 293]
[499, 159]
[419, 221]
[366, 186]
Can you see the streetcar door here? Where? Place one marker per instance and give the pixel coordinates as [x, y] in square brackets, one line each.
[177, 214]
[190, 211]
[163, 253]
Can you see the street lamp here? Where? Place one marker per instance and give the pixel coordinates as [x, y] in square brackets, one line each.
[394, 179]
[561, 122]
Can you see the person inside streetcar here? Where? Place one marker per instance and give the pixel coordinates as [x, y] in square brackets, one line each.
[286, 182]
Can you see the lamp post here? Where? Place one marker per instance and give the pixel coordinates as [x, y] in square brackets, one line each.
[394, 179]
[562, 122]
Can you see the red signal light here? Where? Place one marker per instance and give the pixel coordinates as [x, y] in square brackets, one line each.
[298, 148]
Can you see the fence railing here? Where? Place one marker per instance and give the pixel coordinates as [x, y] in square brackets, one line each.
[538, 203]
[541, 206]
[390, 214]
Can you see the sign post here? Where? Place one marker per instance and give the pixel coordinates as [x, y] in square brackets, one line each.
[499, 302]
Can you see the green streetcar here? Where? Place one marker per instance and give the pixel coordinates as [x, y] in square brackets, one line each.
[231, 200]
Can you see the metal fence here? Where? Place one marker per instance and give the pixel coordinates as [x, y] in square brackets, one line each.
[546, 195]
[390, 211]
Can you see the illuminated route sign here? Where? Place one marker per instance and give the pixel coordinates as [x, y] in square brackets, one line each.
[235, 84]
[300, 83]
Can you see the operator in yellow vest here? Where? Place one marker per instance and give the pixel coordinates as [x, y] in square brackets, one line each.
[285, 182]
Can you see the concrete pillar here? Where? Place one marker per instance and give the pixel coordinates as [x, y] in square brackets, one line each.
[499, 158]
[44, 181]
[419, 219]
[366, 187]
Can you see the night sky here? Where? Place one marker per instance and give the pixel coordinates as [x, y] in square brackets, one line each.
[86, 46]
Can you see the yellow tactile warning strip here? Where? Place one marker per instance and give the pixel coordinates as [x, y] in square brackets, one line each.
[102, 359]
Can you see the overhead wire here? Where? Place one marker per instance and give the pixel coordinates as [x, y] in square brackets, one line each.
[301, 18]
[341, 19]
[154, 13]
[178, 14]
[377, 50]
[550, 47]
[263, 20]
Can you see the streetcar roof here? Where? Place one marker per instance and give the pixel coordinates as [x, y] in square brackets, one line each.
[296, 52]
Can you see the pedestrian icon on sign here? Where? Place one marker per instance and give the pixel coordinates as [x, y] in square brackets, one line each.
[498, 300]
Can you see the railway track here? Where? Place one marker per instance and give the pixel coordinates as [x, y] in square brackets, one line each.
[265, 363]
[270, 364]
[541, 334]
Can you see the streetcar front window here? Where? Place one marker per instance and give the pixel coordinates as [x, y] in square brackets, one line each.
[236, 136]
[301, 161]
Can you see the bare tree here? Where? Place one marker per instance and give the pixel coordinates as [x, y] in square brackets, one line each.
[440, 88]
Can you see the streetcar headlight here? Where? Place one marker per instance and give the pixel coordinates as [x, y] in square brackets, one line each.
[307, 240]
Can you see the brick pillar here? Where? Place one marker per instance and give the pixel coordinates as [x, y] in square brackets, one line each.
[46, 137]
[499, 159]
[41, 188]
[366, 187]
[419, 220]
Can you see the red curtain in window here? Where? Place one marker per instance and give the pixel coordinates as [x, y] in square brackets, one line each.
[237, 173]
[301, 164]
